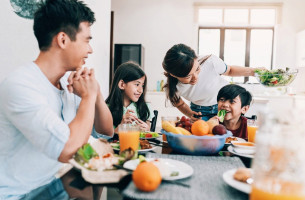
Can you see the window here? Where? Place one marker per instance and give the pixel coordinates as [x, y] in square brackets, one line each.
[241, 35]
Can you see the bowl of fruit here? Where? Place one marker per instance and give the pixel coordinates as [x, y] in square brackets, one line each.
[198, 138]
[276, 77]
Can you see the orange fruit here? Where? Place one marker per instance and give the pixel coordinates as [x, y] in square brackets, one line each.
[146, 177]
[200, 128]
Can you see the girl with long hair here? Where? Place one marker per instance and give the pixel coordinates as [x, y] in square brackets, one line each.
[198, 80]
[126, 100]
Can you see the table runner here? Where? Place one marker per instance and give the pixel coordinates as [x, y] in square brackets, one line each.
[206, 182]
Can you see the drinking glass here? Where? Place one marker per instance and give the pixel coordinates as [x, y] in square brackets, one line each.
[251, 127]
[172, 120]
[279, 163]
[129, 136]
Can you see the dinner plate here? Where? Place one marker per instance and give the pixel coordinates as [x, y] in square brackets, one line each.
[228, 178]
[184, 170]
[231, 150]
[139, 150]
[238, 139]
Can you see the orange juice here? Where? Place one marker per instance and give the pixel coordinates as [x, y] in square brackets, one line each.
[129, 139]
[258, 194]
[251, 133]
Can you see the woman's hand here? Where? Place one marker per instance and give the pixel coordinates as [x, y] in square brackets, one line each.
[193, 114]
[143, 125]
[129, 117]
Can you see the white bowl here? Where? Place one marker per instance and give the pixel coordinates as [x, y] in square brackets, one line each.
[243, 147]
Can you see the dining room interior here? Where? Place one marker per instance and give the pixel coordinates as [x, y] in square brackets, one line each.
[263, 34]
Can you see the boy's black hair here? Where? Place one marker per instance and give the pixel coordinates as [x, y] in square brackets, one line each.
[54, 16]
[127, 72]
[230, 92]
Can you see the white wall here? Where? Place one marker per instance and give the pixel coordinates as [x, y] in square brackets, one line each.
[19, 45]
[159, 24]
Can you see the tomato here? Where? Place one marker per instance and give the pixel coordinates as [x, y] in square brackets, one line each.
[148, 135]
[274, 82]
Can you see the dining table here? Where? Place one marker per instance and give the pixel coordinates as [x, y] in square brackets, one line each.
[206, 181]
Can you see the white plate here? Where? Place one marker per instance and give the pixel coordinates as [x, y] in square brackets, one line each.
[231, 150]
[228, 178]
[139, 150]
[238, 139]
[184, 169]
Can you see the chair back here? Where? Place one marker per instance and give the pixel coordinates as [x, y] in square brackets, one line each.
[154, 121]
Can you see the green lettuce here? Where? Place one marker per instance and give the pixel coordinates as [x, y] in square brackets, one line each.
[84, 154]
[221, 114]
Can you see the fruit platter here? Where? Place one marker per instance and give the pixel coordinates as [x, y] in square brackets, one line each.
[198, 138]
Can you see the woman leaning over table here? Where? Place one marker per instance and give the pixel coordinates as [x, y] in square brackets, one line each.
[197, 79]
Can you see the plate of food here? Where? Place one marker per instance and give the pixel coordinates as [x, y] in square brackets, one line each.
[233, 138]
[149, 135]
[240, 179]
[276, 77]
[143, 147]
[96, 160]
[170, 169]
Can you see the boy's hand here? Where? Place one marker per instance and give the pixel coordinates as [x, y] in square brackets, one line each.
[216, 118]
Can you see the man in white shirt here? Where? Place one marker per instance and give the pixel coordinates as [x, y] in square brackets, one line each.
[46, 115]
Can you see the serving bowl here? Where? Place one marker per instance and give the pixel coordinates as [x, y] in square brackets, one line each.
[244, 147]
[276, 78]
[196, 145]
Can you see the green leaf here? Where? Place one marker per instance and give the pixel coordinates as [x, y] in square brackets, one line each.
[221, 114]
[85, 153]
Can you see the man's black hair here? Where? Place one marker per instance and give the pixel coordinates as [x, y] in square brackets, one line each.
[54, 16]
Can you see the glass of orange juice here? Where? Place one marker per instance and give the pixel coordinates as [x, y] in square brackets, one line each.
[129, 136]
[251, 127]
[172, 120]
[279, 162]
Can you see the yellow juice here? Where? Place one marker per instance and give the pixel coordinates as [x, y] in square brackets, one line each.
[129, 139]
[251, 133]
[258, 194]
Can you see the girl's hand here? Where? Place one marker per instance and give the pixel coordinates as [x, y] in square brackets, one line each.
[128, 118]
[193, 118]
[143, 125]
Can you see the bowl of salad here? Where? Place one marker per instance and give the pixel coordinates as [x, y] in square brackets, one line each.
[275, 77]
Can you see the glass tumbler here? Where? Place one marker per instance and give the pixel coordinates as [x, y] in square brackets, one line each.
[279, 163]
[129, 136]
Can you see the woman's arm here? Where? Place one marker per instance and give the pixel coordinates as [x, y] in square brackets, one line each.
[186, 110]
[239, 71]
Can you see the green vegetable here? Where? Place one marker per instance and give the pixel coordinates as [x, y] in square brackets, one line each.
[154, 134]
[174, 174]
[84, 154]
[142, 158]
[277, 77]
[221, 114]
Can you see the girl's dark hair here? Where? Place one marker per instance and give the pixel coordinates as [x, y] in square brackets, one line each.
[230, 92]
[54, 16]
[179, 61]
[127, 72]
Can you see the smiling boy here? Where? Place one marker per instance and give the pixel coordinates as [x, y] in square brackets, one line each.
[236, 101]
